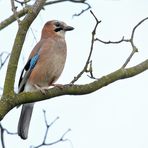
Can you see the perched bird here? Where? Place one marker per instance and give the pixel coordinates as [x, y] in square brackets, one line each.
[44, 66]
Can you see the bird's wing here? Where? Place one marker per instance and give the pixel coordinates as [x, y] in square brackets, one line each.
[33, 58]
[27, 71]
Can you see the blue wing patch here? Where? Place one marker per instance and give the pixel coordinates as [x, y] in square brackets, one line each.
[33, 61]
[28, 68]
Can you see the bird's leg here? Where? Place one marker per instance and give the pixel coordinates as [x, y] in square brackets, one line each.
[43, 90]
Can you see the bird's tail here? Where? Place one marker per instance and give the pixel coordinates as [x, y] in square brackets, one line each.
[24, 121]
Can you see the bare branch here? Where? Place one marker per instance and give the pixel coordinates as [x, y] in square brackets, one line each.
[57, 141]
[134, 29]
[14, 8]
[25, 10]
[2, 130]
[90, 70]
[112, 42]
[73, 1]
[23, 2]
[59, 1]
[12, 18]
[33, 34]
[131, 41]
[128, 59]
[6, 103]
[47, 125]
[2, 136]
[91, 49]
[44, 143]
[83, 10]
[18, 44]
[2, 62]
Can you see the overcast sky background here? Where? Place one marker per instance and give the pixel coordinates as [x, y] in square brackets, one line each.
[115, 116]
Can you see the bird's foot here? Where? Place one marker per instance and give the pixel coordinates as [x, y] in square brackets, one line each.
[43, 90]
[61, 86]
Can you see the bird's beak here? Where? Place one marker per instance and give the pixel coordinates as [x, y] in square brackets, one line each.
[68, 28]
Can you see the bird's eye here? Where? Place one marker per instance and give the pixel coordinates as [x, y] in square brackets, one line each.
[57, 24]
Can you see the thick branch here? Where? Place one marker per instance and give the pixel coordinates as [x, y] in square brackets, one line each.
[26, 9]
[12, 18]
[8, 103]
[18, 43]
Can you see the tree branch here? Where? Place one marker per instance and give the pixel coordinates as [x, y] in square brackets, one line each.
[59, 1]
[14, 8]
[131, 41]
[2, 62]
[23, 2]
[12, 18]
[112, 42]
[83, 10]
[61, 139]
[26, 9]
[2, 134]
[44, 143]
[27, 97]
[90, 53]
[17, 47]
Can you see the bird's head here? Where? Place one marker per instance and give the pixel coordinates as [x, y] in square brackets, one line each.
[55, 27]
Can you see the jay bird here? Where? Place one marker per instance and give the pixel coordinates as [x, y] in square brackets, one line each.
[44, 66]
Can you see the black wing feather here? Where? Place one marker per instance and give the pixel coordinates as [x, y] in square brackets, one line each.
[26, 68]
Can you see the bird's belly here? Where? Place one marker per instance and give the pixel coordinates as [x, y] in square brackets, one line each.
[47, 73]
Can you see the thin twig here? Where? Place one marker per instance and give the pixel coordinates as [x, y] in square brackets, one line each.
[73, 1]
[90, 70]
[47, 126]
[44, 143]
[134, 29]
[23, 2]
[7, 131]
[83, 10]
[91, 50]
[1, 61]
[12, 18]
[25, 10]
[60, 139]
[112, 42]
[33, 34]
[14, 8]
[131, 41]
[2, 130]
[128, 59]
[2, 136]
[58, 1]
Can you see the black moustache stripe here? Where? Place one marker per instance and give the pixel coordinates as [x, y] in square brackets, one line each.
[58, 29]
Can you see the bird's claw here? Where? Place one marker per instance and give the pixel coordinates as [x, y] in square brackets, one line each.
[60, 86]
[43, 90]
